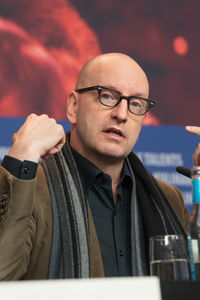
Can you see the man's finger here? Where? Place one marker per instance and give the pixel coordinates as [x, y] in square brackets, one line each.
[193, 129]
[196, 156]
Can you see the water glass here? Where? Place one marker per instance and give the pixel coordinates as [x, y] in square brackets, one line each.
[168, 258]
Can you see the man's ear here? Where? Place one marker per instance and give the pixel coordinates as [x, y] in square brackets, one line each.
[72, 103]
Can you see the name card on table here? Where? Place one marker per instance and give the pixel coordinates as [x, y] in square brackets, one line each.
[138, 288]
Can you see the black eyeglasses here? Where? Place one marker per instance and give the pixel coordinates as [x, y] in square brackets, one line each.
[111, 98]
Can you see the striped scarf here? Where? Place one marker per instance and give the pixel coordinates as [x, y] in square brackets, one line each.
[150, 213]
[70, 247]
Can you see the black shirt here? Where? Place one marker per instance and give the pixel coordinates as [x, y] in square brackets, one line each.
[112, 222]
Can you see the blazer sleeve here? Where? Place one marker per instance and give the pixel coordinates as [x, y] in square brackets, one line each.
[176, 201]
[17, 225]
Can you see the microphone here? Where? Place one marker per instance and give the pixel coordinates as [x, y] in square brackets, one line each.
[184, 171]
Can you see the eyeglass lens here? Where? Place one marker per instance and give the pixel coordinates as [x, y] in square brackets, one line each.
[110, 98]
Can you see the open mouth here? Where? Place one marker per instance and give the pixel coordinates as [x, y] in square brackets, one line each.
[114, 131]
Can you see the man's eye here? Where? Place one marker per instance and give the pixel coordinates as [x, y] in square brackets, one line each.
[106, 96]
[136, 103]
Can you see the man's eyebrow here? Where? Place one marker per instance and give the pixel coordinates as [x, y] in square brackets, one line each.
[137, 94]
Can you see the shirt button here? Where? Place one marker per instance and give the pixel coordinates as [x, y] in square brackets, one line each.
[26, 170]
[105, 180]
[121, 253]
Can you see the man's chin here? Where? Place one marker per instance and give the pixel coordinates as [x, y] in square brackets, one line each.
[112, 156]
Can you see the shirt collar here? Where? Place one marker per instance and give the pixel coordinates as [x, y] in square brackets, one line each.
[89, 172]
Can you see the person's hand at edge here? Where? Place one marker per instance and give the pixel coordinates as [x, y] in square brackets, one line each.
[196, 154]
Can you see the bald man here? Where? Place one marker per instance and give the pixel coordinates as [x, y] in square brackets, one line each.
[89, 208]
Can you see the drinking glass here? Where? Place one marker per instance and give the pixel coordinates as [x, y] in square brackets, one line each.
[168, 258]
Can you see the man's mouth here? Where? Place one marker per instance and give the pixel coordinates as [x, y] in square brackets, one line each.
[114, 131]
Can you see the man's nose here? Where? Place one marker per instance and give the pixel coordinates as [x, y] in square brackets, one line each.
[121, 111]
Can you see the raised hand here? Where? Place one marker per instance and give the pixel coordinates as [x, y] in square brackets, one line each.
[38, 137]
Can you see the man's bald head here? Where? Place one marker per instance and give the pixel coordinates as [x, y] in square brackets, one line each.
[95, 70]
[93, 123]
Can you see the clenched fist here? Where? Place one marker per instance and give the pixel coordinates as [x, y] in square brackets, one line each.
[38, 137]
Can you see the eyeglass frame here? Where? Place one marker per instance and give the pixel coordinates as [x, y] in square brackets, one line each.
[99, 88]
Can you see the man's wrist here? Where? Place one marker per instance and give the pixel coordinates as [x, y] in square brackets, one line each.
[22, 154]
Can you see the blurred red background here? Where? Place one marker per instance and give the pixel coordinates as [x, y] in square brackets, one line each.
[44, 44]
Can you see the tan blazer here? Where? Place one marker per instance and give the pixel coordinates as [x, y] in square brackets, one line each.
[26, 226]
